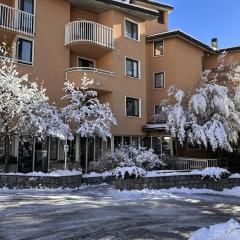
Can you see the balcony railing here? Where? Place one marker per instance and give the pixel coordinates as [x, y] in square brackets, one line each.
[89, 69]
[16, 20]
[91, 32]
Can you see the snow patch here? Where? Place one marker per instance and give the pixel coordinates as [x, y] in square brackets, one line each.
[222, 231]
[57, 173]
[94, 174]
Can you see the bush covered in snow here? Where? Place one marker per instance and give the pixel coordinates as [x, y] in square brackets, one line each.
[128, 172]
[223, 231]
[106, 162]
[213, 173]
[127, 156]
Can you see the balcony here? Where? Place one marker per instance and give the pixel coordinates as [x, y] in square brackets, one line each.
[86, 37]
[103, 80]
[16, 20]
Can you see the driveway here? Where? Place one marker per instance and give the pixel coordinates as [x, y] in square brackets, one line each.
[101, 212]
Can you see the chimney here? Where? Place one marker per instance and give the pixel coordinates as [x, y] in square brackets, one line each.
[214, 43]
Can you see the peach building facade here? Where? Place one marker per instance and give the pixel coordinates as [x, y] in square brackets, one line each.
[125, 46]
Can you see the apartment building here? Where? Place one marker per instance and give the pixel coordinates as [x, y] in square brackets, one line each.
[125, 46]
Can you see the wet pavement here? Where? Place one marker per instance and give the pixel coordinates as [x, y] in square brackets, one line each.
[101, 212]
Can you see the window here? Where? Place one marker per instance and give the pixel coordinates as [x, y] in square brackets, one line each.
[157, 109]
[161, 17]
[132, 107]
[135, 142]
[159, 80]
[53, 148]
[26, 6]
[158, 48]
[192, 146]
[24, 51]
[131, 30]
[85, 63]
[132, 68]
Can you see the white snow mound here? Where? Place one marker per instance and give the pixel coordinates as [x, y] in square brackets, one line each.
[222, 231]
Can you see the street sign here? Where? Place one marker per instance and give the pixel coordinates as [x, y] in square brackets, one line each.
[66, 148]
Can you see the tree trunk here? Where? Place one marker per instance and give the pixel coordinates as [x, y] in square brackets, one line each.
[6, 151]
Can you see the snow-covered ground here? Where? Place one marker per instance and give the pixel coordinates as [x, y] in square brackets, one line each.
[56, 173]
[211, 171]
[222, 231]
[101, 212]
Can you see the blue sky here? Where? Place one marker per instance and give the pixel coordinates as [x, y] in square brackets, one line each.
[205, 19]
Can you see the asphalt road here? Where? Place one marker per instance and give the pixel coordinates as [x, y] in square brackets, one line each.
[101, 212]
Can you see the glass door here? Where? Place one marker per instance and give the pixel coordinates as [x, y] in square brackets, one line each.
[25, 157]
[26, 21]
[41, 156]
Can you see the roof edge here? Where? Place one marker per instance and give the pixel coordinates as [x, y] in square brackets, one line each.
[178, 33]
[157, 4]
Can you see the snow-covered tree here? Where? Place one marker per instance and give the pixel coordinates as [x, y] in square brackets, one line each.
[86, 115]
[210, 115]
[24, 107]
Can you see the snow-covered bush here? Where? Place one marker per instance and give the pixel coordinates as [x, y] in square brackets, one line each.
[213, 173]
[106, 162]
[128, 172]
[222, 231]
[209, 115]
[127, 156]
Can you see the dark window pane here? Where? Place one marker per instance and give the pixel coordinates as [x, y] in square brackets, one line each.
[157, 145]
[159, 80]
[117, 141]
[126, 140]
[27, 6]
[131, 30]
[132, 107]
[158, 48]
[147, 142]
[53, 148]
[161, 17]
[24, 51]
[85, 63]
[132, 68]
[158, 109]
[135, 142]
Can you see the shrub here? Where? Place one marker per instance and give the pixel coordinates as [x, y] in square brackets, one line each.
[128, 172]
[127, 156]
[106, 162]
[213, 173]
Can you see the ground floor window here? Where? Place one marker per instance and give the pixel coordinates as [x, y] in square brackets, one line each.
[160, 144]
[126, 140]
[2, 149]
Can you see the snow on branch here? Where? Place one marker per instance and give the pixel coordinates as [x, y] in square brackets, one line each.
[209, 115]
[85, 113]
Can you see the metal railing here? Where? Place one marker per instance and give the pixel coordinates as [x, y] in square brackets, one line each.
[193, 163]
[17, 20]
[87, 31]
[89, 69]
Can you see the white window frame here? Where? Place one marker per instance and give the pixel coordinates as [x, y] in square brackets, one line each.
[161, 55]
[164, 80]
[139, 68]
[125, 29]
[139, 105]
[88, 59]
[15, 50]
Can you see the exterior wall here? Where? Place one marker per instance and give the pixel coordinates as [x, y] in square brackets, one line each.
[211, 60]
[182, 65]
